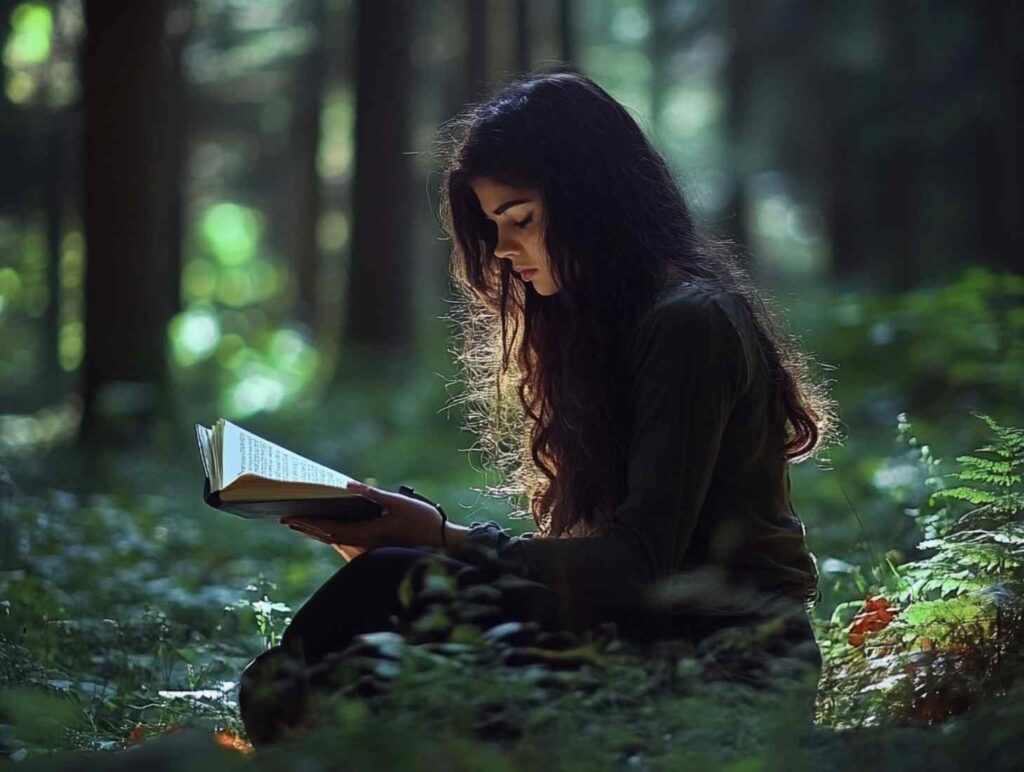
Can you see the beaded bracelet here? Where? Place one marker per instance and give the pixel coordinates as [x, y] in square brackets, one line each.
[407, 490]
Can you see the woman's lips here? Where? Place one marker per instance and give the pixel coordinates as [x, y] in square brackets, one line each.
[528, 274]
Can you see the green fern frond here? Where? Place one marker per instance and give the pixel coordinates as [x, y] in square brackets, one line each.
[987, 465]
[979, 548]
[985, 470]
[1009, 439]
[965, 493]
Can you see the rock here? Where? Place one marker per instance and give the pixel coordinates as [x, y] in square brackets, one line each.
[448, 648]
[434, 625]
[570, 659]
[577, 680]
[558, 640]
[386, 669]
[467, 634]
[522, 655]
[512, 633]
[476, 575]
[481, 614]
[383, 644]
[369, 686]
[480, 593]
[687, 667]
[512, 582]
[496, 724]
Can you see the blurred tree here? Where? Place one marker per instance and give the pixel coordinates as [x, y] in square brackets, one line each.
[523, 58]
[997, 131]
[899, 169]
[306, 138]
[476, 66]
[566, 32]
[739, 77]
[379, 311]
[659, 50]
[36, 119]
[59, 167]
[901, 119]
[132, 134]
[13, 129]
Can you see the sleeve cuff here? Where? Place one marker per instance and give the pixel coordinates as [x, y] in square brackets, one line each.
[487, 544]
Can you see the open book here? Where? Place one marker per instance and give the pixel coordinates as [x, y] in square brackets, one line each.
[249, 476]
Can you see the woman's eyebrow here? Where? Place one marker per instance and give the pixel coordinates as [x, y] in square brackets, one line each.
[501, 209]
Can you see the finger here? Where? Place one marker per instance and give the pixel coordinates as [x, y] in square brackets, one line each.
[316, 532]
[324, 524]
[369, 492]
[382, 497]
[299, 519]
[318, 535]
[313, 531]
[360, 533]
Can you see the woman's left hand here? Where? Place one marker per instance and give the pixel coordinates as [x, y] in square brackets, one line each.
[406, 522]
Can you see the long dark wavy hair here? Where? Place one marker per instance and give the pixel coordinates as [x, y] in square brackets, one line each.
[617, 232]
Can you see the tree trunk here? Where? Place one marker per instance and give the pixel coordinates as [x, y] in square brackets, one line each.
[132, 135]
[305, 252]
[899, 166]
[54, 207]
[659, 48]
[522, 36]
[379, 312]
[566, 36]
[477, 73]
[1000, 170]
[739, 73]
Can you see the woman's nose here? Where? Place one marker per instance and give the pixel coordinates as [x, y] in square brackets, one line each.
[506, 249]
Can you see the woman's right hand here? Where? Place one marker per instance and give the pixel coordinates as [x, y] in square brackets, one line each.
[405, 522]
[347, 551]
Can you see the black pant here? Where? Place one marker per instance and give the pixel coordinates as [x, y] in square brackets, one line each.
[362, 597]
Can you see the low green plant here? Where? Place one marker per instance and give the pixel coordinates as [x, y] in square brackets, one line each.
[976, 527]
[952, 626]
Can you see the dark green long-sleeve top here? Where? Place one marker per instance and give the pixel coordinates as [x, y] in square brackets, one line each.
[707, 481]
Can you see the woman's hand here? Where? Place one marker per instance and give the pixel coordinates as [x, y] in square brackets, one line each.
[406, 522]
[347, 551]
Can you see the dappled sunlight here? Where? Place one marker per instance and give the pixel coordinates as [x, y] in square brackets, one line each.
[40, 431]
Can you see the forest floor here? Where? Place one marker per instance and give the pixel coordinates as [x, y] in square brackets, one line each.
[128, 611]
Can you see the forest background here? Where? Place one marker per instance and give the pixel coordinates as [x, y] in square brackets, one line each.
[229, 208]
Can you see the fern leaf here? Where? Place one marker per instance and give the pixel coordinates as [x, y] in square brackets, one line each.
[964, 493]
[986, 464]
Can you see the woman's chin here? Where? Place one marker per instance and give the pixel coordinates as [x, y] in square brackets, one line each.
[545, 289]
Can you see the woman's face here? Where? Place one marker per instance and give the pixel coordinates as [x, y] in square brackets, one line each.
[520, 217]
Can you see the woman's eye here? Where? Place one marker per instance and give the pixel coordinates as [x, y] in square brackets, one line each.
[525, 222]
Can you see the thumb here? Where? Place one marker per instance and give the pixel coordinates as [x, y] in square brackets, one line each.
[369, 492]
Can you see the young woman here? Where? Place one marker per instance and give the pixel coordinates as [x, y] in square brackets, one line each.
[658, 404]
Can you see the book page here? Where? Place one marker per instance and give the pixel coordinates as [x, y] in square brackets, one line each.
[204, 440]
[246, 453]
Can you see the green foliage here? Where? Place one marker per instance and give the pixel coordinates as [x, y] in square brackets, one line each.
[269, 615]
[984, 545]
[944, 351]
[958, 345]
[233, 333]
[955, 622]
[136, 609]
